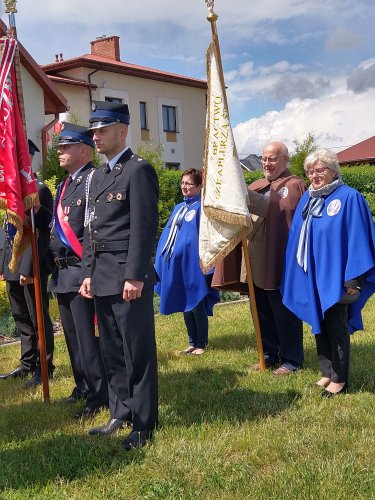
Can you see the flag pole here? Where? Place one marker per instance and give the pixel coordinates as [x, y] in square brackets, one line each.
[212, 18]
[10, 9]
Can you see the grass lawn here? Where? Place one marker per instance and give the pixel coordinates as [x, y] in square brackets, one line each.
[225, 432]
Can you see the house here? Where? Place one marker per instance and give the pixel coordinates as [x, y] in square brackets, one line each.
[251, 163]
[41, 96]
[363, 152]
[165, 108]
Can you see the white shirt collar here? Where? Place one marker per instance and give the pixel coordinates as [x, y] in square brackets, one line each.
[113, 162]
[76, 173]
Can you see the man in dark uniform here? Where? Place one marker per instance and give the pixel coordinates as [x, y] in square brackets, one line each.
[77, 314]
[20, 288]
[119, 273]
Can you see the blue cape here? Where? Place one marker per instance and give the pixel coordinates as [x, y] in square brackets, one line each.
[341, 247]
[182, 284]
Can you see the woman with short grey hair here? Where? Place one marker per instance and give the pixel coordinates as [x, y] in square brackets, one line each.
[330, 266]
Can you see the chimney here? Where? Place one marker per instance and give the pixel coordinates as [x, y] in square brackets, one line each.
[106, 46]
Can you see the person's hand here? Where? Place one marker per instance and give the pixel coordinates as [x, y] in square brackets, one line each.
[26, 280]
[85, 289]
[132, 290]
[1, 277]
[352, 291]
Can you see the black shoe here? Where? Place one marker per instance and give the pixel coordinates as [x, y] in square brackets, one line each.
[329, 394]
[112, 426]
[87, 412]
[74, 397]
[136, 439]
[19, 371]
[36, 379]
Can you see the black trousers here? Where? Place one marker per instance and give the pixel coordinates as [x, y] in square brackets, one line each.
[127, 340]
[281, 330]
[77, 318]
[23, 308]
[333, 344]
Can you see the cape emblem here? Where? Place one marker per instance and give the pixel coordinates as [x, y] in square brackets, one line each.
[190, 215]
[333, 207]
[283, 192]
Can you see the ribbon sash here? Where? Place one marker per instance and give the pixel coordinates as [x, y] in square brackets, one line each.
[63, 229]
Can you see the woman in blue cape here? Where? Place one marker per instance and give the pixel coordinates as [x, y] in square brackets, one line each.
[330, 266]
[182, 286]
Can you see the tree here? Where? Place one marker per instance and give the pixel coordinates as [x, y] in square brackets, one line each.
[302, 150]
[154, 156]
[51, 168]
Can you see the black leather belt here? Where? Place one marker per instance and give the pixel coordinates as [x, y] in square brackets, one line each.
[66, 261]
[110, 246]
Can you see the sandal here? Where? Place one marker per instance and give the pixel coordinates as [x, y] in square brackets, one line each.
[198, 351]
[189, 350]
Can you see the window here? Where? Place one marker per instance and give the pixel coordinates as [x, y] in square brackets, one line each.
[169, 118]
[172, 166]
[113, 99]
[143, 115]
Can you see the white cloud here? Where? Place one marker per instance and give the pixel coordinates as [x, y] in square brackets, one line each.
[362, 77]
[282, 81]
[338, 120]
[342, 39]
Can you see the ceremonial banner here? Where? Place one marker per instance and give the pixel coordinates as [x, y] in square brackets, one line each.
[18, 190]
[225, 218]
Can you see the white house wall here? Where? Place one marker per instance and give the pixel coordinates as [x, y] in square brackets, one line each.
[34, 111]
[191, 101]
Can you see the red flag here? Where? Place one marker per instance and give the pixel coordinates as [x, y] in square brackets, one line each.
[18, 191]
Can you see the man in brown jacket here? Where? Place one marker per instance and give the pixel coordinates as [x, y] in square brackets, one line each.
[273, 201]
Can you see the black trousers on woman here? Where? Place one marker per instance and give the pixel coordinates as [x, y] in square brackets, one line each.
[333, 344]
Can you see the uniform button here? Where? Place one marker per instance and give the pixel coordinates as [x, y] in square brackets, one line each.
[95, 217]
[97, 201]
[95, 232]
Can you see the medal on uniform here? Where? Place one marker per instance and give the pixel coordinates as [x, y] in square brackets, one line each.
[119, 196]
[66, 213]
[109, 197]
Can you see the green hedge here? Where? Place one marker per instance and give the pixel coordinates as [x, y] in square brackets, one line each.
[361, 178]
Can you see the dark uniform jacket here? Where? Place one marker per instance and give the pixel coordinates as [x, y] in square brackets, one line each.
[68, 279]
[42, 222]
[124, 207]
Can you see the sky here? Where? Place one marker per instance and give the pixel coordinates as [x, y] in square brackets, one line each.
[291, 66]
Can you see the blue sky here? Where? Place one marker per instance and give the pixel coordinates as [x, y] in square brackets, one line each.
[291, 66]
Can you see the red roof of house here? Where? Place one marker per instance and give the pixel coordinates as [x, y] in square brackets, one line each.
[363, 152]
[125, 68]
[54, 101]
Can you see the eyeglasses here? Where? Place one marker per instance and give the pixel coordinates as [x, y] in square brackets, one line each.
[187, 184]
[317, 171]
[271, 159]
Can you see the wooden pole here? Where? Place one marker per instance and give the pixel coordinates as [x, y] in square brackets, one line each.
[11, 10]
[212, 18]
